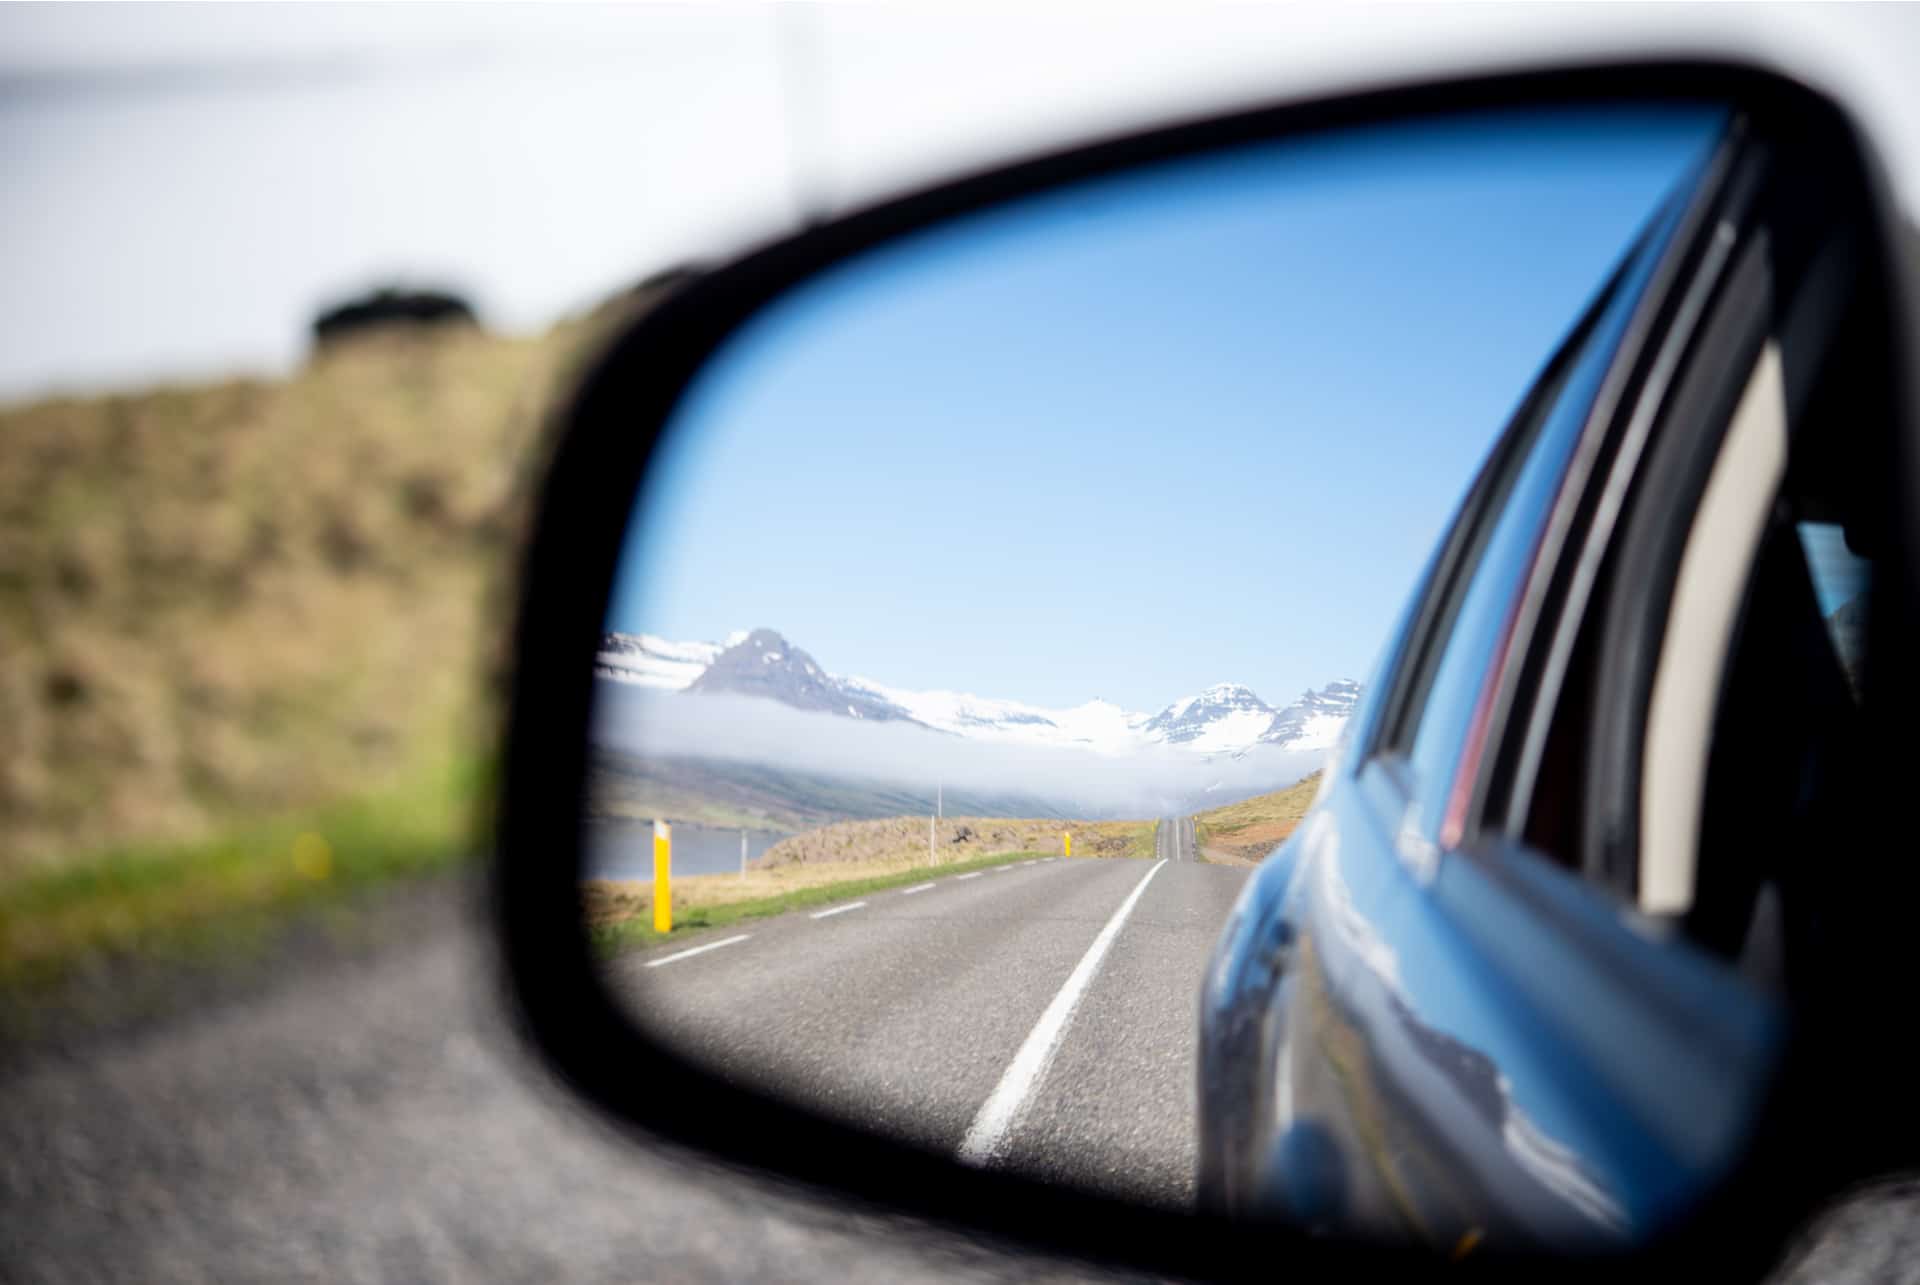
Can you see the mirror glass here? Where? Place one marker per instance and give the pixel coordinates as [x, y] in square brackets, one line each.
[990, 613]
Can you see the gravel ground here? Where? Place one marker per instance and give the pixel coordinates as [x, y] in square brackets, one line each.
[359, 1112]
[1872, 1235]
[350, 1107]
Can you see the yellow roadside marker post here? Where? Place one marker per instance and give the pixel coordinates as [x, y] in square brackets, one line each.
[662, 877]
[1066, 843]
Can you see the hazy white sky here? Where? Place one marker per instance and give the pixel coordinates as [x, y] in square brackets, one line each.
[184, 185]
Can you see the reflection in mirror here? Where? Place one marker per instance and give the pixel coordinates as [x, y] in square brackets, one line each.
[985, 626]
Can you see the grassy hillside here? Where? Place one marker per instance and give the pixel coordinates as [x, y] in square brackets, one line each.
[252, 621]
[248, 597]
[1244, 833]
[954, 839]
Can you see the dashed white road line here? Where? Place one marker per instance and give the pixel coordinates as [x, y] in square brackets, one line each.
[1100, 944]
[697, 950]
[990, 1127]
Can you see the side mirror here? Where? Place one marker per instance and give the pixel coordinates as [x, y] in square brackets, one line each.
[1221, 397]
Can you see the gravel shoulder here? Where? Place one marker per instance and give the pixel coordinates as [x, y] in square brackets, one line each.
[361, 1112]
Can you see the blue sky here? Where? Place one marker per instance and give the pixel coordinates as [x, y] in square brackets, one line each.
[1194, 425]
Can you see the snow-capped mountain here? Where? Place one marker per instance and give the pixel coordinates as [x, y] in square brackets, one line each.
[653, 662]
[1097, 724]
[1230, 719]
[1314, 722]
[1226, 719]
[766, 665]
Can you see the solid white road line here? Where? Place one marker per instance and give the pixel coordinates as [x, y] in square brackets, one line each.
[975, 875]
[919, 887]
[990, 1127]
[837, 910]
[697, 950]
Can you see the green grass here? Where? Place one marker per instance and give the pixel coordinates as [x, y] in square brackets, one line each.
[257, 597]
[611, 939]
[229, 890]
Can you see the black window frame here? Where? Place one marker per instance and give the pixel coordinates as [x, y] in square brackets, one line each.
[1787, 281]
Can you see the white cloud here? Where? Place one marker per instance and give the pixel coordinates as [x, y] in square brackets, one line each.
[1153, 782]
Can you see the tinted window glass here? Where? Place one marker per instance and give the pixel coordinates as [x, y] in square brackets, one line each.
[1840, 579]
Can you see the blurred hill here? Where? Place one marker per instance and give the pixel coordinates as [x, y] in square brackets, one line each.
[1247, 832]
[390, 306]
[224, 601]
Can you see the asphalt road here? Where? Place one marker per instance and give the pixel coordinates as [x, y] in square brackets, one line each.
[1174, 839]
[352, 1107]
[1038, 1017]
[349, 1106]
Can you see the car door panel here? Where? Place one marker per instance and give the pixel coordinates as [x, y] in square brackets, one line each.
[1442, 1034]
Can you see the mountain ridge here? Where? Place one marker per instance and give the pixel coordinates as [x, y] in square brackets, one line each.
[1224, 719]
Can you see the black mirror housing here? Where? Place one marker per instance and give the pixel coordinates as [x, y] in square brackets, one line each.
[560, 998]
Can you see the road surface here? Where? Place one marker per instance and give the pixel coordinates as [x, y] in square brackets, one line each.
[351, 1107]
[1173, 839]
[348, 1106]
[1039, 1017]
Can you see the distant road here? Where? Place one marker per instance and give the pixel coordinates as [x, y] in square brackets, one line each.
[1174, 839]
[1038, 1017]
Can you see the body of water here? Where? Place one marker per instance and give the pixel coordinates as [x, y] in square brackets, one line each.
[624, 849]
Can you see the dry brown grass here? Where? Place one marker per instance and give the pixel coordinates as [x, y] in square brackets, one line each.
[619, 914]
[610, 899]
[903, 841]
[847, 859]
[238, 599]
[1244, 833]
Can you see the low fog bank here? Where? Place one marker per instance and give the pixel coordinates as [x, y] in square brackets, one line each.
[654, 723]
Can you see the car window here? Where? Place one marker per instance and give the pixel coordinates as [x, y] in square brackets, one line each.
[1840, 579]
[1471, 635]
